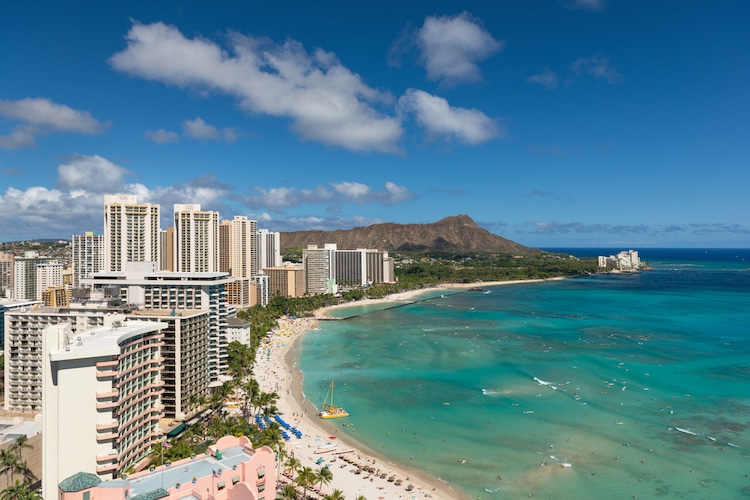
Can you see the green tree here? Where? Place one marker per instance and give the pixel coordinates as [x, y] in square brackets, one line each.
[306, 477]
[335, 495]
[20, 491]
[288, 492]
[324, 476]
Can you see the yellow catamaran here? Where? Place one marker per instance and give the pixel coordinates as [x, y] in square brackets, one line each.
[329, 409]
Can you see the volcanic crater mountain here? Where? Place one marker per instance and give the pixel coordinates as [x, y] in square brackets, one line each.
[453, 234]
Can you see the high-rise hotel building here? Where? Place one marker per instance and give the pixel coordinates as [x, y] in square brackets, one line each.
[88, 256]
[25, 276]
[131, 232]
[196, 239]
[269, 249]
[101, 395]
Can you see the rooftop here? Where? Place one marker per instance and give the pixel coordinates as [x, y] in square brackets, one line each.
[102, 341]
[201, 466]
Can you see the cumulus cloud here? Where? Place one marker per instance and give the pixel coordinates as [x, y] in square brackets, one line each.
[547, 79]
[75, 203]
[597, 66]
[590, 5]
[161, 136]
[312, 223]
[469, 126]
[199, 129]
[451, 47]
[39, 116]
[279, 199]
[90, 174]
[324, 100]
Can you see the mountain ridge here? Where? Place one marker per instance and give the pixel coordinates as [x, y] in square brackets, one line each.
[457, 233]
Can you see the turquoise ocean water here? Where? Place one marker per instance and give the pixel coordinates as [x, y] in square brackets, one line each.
[601, 387]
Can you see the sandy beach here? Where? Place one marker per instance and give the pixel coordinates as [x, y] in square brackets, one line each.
[275, 369]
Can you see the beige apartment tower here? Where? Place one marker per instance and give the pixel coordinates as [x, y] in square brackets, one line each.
[196, 239]
[131, 231]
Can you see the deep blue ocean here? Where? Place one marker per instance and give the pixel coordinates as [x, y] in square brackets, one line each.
[610, 386]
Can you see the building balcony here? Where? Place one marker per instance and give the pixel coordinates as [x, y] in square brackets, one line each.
[103, 395]
[106, 468]
[101, 438]
[106, 373]
[107, 405]
[107, 426]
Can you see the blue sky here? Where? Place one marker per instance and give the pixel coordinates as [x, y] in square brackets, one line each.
[617, 123]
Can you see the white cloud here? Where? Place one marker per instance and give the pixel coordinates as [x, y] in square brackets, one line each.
[325, 101]
[75, 204]
[597, 66]
[547, 79]
[591, 5]
[352, 190]
[199, 129]
[161, 136]
[279, 199]
[469, 126]
[90, 174]
[451, 47]
[39, 116]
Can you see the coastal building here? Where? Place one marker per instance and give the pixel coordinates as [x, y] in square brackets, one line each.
[48, 275]
[225, 246]
[24, 275]
[24, 328]
[178, 291]
[88, 256]
[320, 269]
[230, 470]
[269, 249]
[196, 239]
[101, 399]
[238, 330]
[362, 267]
[626, 260]
[6, 274]
[166, 245]
[58, 296]
[240, 292]
[7, 305]
[184, 358]
[287, 280]
[243, 249]
[261, 282]
[131, 232]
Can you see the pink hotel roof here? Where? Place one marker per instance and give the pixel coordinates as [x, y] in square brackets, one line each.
[241, 473]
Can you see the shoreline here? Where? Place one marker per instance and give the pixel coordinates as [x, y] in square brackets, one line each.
[276, 369]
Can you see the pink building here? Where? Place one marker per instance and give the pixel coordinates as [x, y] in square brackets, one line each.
[230, 470]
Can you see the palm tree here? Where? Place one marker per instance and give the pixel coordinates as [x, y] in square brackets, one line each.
[361, 497]
[324, 476]
[10, 463]
[20, 491]
[335, 495]
[288, 492]
[305, 478]
[291, 464]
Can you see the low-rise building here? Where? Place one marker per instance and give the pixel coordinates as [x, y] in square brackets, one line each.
[231, 469]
